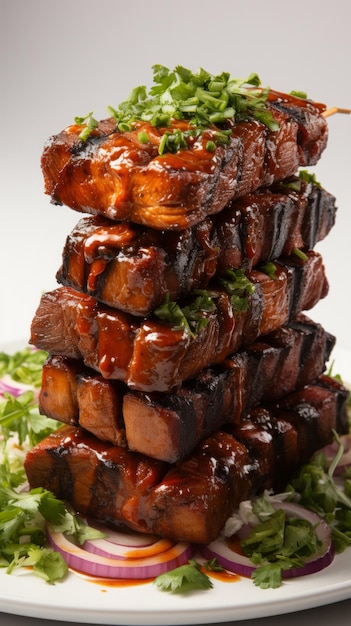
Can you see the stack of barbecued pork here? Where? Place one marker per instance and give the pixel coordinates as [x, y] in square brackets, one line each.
[181, 357]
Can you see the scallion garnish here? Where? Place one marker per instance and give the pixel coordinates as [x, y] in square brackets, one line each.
[299, 94]
[143, 137]
[90, 124]
[192, 317]
[300, 254]
[202, 99]
[239, 287]
[308, 177]
[270, 269]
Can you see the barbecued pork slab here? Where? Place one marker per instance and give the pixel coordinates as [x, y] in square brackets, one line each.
[119, 175]
[168, 426]
[191, 500]
[133, 268]
[151, 354]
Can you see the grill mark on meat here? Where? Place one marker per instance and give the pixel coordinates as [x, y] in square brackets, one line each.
[191, 500]
[167, 426]
[152, 356]
[133, 268]
[115, 175]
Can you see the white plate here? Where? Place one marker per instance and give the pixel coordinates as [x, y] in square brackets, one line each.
[77, 600]
[80, 600]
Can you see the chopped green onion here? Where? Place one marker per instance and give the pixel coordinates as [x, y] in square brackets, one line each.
[239, 287]
[300, 254]
[143, 137]
[299, 94]
[201, 98]
[210, 146]
[191, 317]
[270, 269]
[90, 122]
[308, 177]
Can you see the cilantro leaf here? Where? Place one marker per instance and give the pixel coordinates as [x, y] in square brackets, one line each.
[314, 488]
[24, 366]
[25, 513]
[268, 576]
[183, 579]
[45, 563]
[266, 537]
[20, 415]
[278, 542]
[70, 524]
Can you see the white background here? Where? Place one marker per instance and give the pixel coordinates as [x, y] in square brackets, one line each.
[65, 58]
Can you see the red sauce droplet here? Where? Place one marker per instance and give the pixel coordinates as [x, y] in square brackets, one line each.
[224, 576]
[117, 582]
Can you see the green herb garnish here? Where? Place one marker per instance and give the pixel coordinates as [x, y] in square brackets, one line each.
[202, 99]
[193, 317]
[23, 513]
[270, 269]
[143, 137]
[299, 94]
[239, 287]
[23, 518]
[189, 577]
[309, 177]
[315, 489]
[24, 366]
[20, 416]
[90, 124]
[300, 254]
[277, 543]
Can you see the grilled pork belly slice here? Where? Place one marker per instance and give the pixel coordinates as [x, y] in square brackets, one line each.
[133, 268]
[312, 412]
[168, 426]
[152, 355]
[72, 393]
[114, 174]
[191, 500]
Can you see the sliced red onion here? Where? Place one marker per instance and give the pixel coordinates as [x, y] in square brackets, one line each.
[331, 450]
[7, 385]
[240, 564]
[113, 550]
[10, 388]
[134, 568]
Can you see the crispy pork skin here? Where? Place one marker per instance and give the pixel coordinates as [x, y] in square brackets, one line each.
[191, 500]
[168, 426]
[133, 268]
[152, 355]
[114, 174]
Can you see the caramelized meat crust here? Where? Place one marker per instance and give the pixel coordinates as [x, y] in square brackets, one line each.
[152, 355]
[133, 268]
[116, 175]
[191, 500]
[167, 426]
